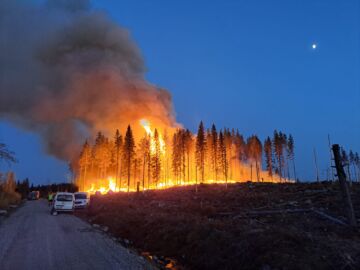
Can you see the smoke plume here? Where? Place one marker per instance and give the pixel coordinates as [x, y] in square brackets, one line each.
[68, 71]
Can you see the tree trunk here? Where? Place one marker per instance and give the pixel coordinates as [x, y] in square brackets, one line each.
[129, 168]
[294, 169]
[143, 178]
[344, 185]
[251, 166]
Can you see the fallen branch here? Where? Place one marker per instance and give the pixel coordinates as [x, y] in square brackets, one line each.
[333, 219]
[291, 211]
[280, 211]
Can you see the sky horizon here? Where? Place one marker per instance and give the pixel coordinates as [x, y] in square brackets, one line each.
[249, 65]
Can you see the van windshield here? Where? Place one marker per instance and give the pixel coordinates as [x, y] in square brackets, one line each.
[80, 196]
[64, 198]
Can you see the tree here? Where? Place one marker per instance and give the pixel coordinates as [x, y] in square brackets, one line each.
[352, 162]
[254, 149]
[228, 139]
[201, 150]
[176, 155]
[128, 154]
[240, 149]
[10, 183]
[84, 162]
[279, 141]
[268, 156]
[118, 145]
[345, 161]
[291, 153]
[98, 153]
[223, 156]
[214, 151]
[188, 148]
[156, 158]
[145, 151]
[167, 155]
[357, 163]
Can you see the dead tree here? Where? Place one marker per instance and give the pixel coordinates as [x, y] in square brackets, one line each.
[344, 185]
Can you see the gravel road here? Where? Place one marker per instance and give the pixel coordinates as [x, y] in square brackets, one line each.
[31, 238]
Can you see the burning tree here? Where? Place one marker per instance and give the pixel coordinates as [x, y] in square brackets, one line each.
[159, 162]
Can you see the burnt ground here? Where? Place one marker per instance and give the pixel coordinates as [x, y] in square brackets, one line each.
[246, 226]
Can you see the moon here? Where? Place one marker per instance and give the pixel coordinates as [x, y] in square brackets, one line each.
[314, 46]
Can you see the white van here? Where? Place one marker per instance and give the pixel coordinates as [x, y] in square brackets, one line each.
[82, 199]
[63, 202]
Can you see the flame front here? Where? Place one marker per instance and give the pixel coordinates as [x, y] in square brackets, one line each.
[146, 125]
[155, 162]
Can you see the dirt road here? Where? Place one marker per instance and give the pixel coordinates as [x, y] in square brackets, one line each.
[33, 239]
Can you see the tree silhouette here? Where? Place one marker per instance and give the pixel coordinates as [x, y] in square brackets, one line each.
[291, 153]
[268, 156]
[201, 150]
[254, 149]
[84, 162]
[145, 152]
[128, 154]
[156, 158]
[223, 156]
[118, 145]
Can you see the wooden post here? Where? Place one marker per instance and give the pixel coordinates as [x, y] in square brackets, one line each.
[344, 186]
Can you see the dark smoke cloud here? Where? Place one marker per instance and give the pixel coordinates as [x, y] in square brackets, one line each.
[68, 71]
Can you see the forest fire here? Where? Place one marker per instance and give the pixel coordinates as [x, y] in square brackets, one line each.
[152, 161]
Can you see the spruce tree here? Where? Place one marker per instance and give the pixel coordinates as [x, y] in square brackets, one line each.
[118, 144]
[268, 156]
[188, 148]
[128, 154]
[145, 152]
[214, 151]
[156, 158]
[201, 150]
[291, 153]
[223, 156]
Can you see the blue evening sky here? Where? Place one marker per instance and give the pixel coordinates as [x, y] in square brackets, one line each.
[242, 64]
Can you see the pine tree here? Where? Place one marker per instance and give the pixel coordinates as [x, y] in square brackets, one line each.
[254, 148]
[223, 156]
[291, 153]
[118, 145]
[268, 156]
[240, 149]
[156, 158]
[229, 149]
[213, 151]
[188, 148]
[176, 156]
[128, 154]
[167, 156]
[145, 152]
[201, 150]
[84, 162]
[278, 145]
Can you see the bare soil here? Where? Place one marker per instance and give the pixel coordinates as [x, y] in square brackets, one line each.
[243, 226]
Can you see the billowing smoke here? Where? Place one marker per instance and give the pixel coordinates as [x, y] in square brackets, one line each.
[68, 71]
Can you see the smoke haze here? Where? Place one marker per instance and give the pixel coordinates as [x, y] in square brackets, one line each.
[68, 71]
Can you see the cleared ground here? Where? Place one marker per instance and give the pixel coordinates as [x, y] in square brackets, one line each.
[246, 226]
[33, 239]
